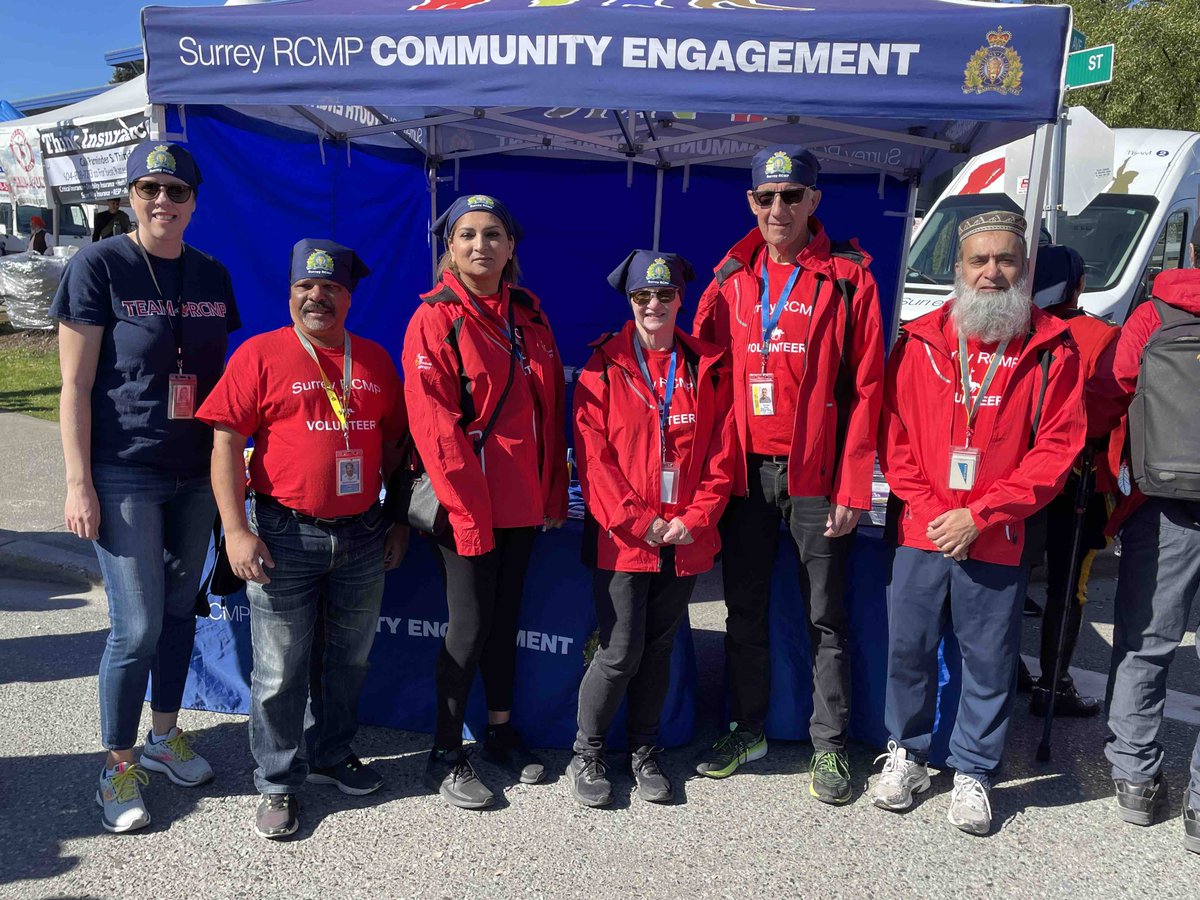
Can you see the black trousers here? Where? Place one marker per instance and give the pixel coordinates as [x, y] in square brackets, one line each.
[484, 596]
[638, 614]
[1060, 528]
[750, 533]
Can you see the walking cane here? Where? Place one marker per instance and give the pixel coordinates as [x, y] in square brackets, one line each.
[1083, 494]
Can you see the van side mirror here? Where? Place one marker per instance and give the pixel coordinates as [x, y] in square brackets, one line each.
[1145, 289]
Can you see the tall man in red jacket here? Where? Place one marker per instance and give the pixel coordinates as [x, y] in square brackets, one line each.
[803, 325]
[969, 467]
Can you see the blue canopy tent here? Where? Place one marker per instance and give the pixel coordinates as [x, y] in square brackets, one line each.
[605, 125]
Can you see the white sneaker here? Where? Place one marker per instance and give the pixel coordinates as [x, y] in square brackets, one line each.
[120, 798]
[174, 757]
[901, 778]
[970, 808]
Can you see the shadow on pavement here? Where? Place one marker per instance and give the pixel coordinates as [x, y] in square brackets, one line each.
[51, 657]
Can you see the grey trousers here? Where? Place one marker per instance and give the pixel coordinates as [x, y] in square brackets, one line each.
[1158, 582]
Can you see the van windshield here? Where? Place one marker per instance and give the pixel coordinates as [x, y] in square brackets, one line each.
[71, 219]
[1105, 234]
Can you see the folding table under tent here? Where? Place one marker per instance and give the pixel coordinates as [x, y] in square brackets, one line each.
[605, 125]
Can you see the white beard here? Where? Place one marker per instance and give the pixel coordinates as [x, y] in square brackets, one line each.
[991, 316]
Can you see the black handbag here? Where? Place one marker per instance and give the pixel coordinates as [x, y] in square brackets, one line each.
[220, 582]
[410, 495]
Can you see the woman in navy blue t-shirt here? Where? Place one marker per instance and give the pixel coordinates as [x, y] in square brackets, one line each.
[143, 338]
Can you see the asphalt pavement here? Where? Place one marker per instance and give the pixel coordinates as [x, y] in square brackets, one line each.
[757, 834]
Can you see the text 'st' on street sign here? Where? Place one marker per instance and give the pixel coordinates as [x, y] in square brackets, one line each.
[1091, 66]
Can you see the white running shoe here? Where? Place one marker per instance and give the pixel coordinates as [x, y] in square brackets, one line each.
[970, 808]
[175, 758]
[120, 798]
[900, 779]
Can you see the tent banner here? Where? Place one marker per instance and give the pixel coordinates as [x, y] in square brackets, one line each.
[21, 161]
[85, 161]
[846, 58]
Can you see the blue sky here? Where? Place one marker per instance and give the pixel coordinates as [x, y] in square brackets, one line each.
[58, 45]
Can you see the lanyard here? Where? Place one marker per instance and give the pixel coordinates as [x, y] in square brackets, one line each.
[340, 410]
[965, 367]
[510, 328]
[664, 405]
[176, 326]
[771, 315]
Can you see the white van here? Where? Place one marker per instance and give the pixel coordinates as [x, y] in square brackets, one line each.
[1137, 227]
[74, 223]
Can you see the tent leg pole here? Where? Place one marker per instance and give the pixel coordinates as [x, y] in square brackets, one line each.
[431, 174]
[1035, 198]
[910, 214]
[658, 200]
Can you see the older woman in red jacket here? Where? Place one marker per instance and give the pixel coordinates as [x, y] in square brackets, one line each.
[654, 438]
[484, 388]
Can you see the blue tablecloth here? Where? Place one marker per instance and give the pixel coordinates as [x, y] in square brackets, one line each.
[557, 621]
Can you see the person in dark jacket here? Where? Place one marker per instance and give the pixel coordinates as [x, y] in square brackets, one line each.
[654, 438]
[111, 221]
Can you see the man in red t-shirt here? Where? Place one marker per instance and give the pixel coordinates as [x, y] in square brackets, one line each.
[326, 412]
[982, 419]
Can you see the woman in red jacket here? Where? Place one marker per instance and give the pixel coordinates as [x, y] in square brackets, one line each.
[484, 388]
[654, 436]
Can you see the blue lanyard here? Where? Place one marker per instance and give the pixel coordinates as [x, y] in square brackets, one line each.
[664, 405]
[772, 315]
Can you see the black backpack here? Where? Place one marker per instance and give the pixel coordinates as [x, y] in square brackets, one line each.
[1164, 417]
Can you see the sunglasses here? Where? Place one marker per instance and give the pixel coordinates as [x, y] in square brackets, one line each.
[643, 298]
[790, 197]
[176, 193]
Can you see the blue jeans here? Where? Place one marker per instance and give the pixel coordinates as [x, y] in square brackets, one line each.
[312, 628]
[154, 533]
[986, 600]
[1158, 583]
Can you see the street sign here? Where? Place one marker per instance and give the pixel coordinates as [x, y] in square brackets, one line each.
[1078, 40]
[1091, 66]
[1087, 167]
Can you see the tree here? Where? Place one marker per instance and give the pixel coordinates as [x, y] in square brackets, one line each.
[1156, 72]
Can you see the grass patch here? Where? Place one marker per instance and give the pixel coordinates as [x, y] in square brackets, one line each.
[29, 378]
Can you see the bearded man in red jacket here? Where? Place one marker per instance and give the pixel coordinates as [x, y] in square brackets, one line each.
[982, 417]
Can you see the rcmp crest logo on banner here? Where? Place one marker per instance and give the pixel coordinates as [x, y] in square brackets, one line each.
[658, 272]
[160, 160]
[319, 263]
[996, 67]
[778, 164]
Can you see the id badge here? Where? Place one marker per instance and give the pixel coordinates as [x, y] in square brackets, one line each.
[762, 394]
[964, 463]
[181, 396]
[349, 464]
[670, 483]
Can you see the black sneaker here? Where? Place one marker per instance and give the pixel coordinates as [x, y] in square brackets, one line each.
[503, 747]
[589, 785]
[351, 776]
[450, 774]
[739, 746]
[1031, 610]
[830, 781]
[1137, 801]
[1068, 702]
[645, 766]
[277, 816]
[1025, 681]
[1191, 828]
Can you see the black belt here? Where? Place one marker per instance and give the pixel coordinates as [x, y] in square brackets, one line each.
[758, 458]
[268, 500]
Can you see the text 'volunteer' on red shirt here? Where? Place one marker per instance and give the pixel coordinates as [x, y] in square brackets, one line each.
[272, 392]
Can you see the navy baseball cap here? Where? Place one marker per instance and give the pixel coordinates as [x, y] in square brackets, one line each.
[161, 158]
[782, 163]
[651, 269]
[444, 226]
[316, 258]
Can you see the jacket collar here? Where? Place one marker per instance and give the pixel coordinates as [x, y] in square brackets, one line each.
[815, 254]
[1044, 328]
[618, 347]
[450, 289]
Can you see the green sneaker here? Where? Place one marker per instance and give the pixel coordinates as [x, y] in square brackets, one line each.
[830, 771]
[731, 750]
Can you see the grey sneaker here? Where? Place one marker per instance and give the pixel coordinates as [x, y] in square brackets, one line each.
[900, 779]
[653, 785]
[120, 798]
[175, 758]
[451, 774]
[587, 775]
[970, 808]
[1191, 828]
[350, 776]
[1139, 801]
[277, 816]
